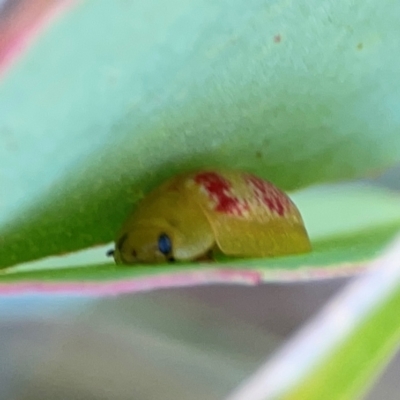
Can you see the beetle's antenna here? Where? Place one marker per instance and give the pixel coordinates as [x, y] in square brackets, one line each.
[110, 253]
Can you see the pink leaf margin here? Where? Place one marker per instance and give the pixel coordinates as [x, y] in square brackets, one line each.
[133, 285]
[169, 280]
[23, 23]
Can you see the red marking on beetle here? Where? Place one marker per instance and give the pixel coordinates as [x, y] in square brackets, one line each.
[219, 189]
[269, 195]
[277, 38]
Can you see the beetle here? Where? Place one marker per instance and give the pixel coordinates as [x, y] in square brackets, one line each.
[194, 215]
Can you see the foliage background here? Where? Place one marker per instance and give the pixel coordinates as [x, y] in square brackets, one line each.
[78, 124]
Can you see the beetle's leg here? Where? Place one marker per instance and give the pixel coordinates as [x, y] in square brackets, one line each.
[207, 257]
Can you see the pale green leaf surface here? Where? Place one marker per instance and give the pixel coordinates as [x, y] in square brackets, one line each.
[117, 96]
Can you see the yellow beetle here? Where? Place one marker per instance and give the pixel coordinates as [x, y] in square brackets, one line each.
[191, 216]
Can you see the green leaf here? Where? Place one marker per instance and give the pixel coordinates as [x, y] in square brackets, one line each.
[348, 225]
[353, 367]
[117, 96]
[338, 352]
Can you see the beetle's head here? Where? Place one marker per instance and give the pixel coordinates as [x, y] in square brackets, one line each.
[149, 244]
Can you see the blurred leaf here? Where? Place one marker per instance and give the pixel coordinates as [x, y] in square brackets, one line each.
[338, 351]
[351, 370]
[118, 96]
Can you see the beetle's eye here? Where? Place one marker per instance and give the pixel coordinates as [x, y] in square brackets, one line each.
[164, 244]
